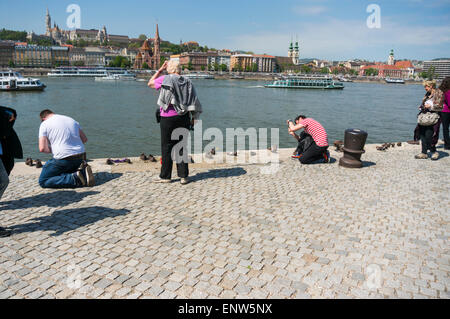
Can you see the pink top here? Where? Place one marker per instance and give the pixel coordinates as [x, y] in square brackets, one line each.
[316, 130]
[170, 110]
[446, 108]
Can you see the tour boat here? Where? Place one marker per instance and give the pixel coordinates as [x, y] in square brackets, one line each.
[198, 76]
[117, 77]
[67, 71]
[306, 82]
[344, 79]
[14, 81]
[395, 81]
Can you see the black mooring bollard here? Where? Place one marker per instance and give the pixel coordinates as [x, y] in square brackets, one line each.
[354, 142]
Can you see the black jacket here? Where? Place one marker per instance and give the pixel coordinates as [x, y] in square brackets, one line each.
[12, 148]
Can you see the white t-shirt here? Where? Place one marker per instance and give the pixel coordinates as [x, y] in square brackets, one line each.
[63, 134]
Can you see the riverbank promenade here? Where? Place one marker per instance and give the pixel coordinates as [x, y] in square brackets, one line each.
[318, 231]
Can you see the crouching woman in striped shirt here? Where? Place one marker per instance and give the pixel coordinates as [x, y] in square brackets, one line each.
[318, 149]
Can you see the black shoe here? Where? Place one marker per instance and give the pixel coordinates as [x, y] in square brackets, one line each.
[4, 232]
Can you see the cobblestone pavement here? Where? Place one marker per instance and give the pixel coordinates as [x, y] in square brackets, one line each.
[319, 231]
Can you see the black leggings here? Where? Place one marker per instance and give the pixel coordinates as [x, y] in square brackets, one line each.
[168, 125]
[426, 137]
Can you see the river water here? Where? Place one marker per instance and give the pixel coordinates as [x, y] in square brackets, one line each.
[119, 120]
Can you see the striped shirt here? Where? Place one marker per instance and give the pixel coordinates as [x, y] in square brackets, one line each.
[316, 130]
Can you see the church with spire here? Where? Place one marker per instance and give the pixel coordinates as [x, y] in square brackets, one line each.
[148, 54]
[294, 52]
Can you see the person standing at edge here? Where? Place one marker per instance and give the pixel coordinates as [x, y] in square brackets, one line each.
[318, 148]
[445, 114]
[10, 148]
[432, 102]
[179, 107]
[62, 137]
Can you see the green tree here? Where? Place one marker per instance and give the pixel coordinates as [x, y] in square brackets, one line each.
[11, 63]
[145, 66]
[13, 35]
[223, 67]
[78, 63]
[190, 66]
[305, 69]
[254, 67]
[203, 68]
[162, 60]
[431, 73]
[142, 37]
[324, 70]
[371, 72]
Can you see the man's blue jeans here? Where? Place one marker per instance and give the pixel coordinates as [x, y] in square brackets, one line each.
[59, 174]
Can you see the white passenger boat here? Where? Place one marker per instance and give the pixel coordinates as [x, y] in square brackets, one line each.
[14, 81]
[85, 71]
[306, 82]
[195, 75]
[117, 77]
[394, 81]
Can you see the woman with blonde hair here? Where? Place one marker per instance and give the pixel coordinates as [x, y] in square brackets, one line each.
[178, 107]
[429, 134]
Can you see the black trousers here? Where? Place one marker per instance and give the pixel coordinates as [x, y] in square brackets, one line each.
[445, 116]
[313, 153]
[168, 125]
[8, 162]
[426, 138]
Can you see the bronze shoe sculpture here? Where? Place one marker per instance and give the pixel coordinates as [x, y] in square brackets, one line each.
[151, 158]
[143, 157]
[29, 161]
[38, 163]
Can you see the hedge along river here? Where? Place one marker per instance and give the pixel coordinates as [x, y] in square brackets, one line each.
[119, 118]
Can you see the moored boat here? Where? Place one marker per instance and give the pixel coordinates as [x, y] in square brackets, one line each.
[198, 76]
[14, 81]
[117, 77]
[306, 82]
[394, 81]
[68, 71]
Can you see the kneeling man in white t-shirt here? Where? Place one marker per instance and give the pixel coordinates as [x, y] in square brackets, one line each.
[62, 136]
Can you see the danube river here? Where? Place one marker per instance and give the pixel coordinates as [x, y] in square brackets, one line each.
[119, 118]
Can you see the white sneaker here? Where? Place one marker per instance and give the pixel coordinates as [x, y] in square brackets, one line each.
[435, 156]
[184, 181]
[161, 180]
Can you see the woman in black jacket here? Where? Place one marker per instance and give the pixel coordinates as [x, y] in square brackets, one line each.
[10, 148]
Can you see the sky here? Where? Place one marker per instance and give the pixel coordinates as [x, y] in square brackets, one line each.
[326, 29]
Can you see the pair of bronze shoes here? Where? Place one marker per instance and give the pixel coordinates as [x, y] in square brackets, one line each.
[339, 145]
[150, 158]
[110, 161]
[29, 162]
[385, 146]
